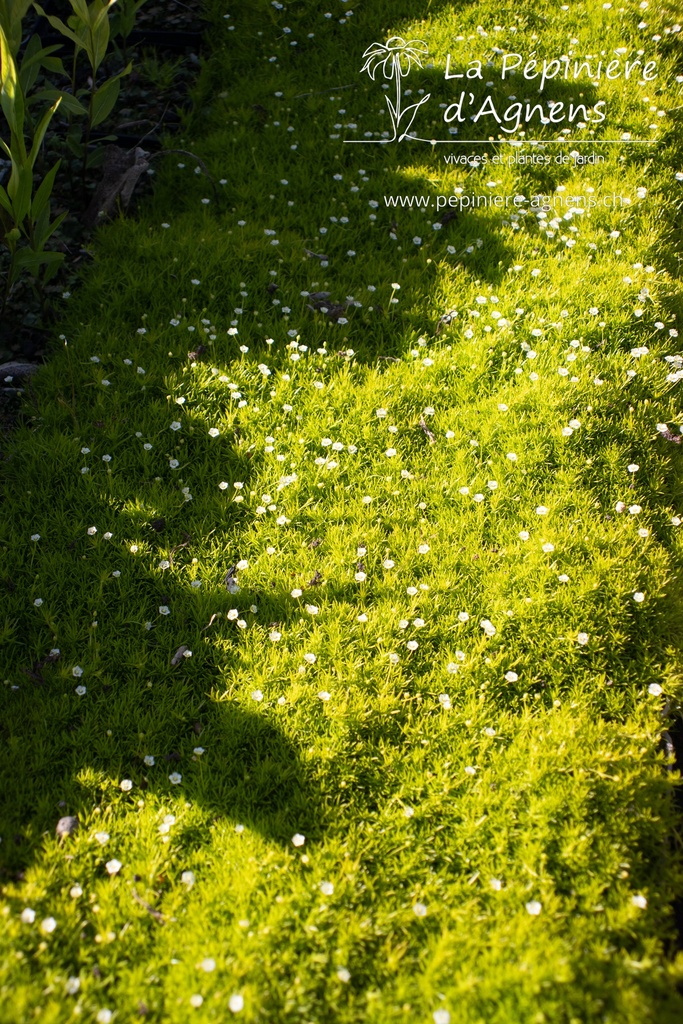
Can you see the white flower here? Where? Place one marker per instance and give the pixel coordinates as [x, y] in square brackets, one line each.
[441, 1017]
[214, 432]
[541, 510]
[639, 901]
[639, 597]
[72, 986]
[310, 658]
[104, 1017]
[236, 1003]
[126, 785]
[326, 888]
[312, 609]
[470, 770]
[113, 866]
[423, 549]
[207, 965]
[582, 639]
[511, 677]
[80, 691]
[298, 839]
[654, 689]
[28, 916]
[257, 695]
[175, 778]
[420, 910]
[164, 609]
[102, 837]
[534, 908]
[196, 1001]
[149, 760]
[324, 695]
[187, 878]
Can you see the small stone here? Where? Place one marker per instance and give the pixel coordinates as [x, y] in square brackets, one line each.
[67, 826]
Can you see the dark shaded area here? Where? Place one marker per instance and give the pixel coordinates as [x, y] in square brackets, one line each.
[673, 747]
[250, 773]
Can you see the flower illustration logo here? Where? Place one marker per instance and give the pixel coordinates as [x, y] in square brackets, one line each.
[395, 58]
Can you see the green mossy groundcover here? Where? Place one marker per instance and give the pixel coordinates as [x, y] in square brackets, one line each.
[341, 548]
